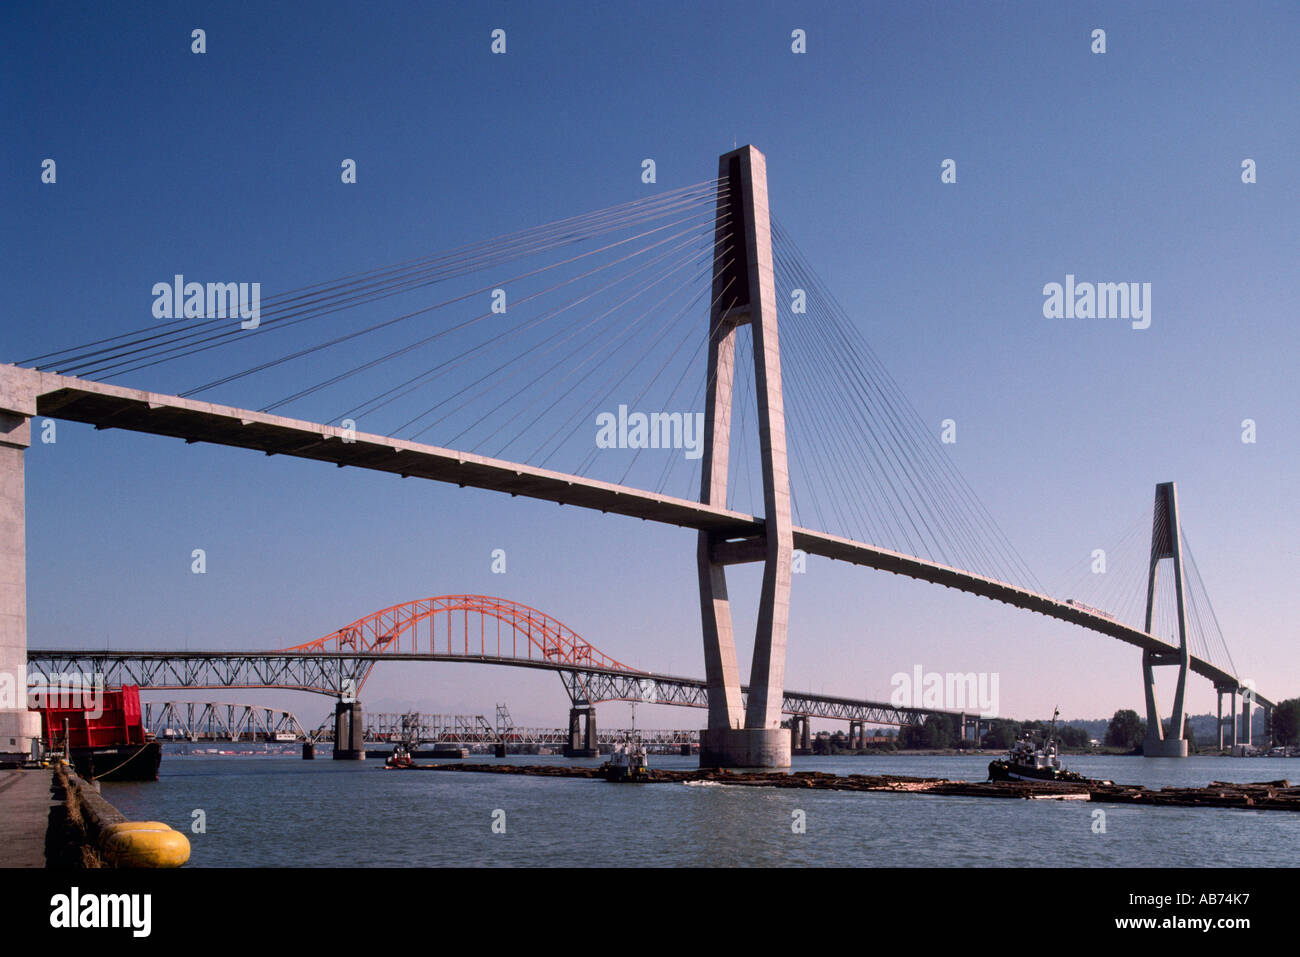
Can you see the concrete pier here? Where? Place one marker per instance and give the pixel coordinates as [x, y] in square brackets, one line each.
[582, 733]
[349, 732]
[744, 748]
[26, 799]
[799, 738]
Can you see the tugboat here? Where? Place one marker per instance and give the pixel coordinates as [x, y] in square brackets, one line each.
[400, 758]
[1027, 763]
[627, 762]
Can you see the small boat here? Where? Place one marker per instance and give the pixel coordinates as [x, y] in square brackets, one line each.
[627, 762]
[400, 758]
[1025, 762]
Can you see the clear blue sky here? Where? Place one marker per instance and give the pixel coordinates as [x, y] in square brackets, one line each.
[1122, 166]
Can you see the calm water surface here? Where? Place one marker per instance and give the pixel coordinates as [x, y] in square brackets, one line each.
[283, 811]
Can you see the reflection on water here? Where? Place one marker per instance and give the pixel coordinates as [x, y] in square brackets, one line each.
[282, 812]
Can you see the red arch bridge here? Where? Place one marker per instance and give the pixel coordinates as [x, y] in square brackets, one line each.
[456, 628]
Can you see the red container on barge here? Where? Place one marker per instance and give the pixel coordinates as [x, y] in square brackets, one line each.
[109, 746]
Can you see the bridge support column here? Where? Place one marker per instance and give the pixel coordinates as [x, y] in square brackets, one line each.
[1247, 714]
[582, 733]
[1218, 693]
[799, 743]
[1235, 739]
[744, 292]
[349, 732]
[20, 729]
[1166, 542]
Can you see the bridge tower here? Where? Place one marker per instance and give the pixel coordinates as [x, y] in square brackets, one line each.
[1166, 542]
[744, 292]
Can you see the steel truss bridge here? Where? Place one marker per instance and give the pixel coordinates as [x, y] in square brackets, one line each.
[448, 628]
[475, 729]
[219, 721]
[334, 674]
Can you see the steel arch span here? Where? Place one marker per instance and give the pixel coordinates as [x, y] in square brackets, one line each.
[466, 626]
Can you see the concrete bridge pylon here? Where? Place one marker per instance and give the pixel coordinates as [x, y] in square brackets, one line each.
[1166, 543]
[20, 729]
[744, 292]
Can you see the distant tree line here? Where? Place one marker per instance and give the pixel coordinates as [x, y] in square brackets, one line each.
[1286, 722]
[1003, 733]
[1125, 731]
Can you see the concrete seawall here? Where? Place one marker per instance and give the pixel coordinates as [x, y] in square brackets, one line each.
[105, 838]
[75, 826]
[95, 811]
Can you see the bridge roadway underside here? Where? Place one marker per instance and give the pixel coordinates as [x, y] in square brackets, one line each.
[108, 406]
[326, 673]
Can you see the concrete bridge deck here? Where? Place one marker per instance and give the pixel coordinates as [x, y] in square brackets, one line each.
[110, 406]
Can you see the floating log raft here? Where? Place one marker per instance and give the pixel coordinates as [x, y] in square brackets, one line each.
[1263, 796]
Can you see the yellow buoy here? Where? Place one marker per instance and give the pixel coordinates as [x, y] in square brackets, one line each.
[143, 844]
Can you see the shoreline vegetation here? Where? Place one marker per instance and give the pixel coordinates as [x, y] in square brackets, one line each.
[1124, 733]
[984, 752]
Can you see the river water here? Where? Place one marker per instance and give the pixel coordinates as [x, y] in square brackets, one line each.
[269, 811]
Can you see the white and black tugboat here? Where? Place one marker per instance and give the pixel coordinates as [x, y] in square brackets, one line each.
[1028, 763]
[627, 762]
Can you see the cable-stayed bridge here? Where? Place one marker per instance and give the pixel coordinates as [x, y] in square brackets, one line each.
[806, 443]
